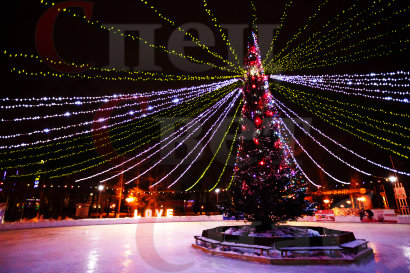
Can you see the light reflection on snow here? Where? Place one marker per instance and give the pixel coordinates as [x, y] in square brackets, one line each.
[406, 252]
[92, 261]
[126, 254]
[375, 251]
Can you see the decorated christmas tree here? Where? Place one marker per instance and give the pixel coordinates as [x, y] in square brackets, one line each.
[267, 188]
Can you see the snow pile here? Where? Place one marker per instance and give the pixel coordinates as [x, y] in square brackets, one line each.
[285, 231]
[241, 231]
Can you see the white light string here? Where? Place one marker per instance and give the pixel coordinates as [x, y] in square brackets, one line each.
[126, 97]
[298, 166]
[159, 161]
[180, 131]
[169, 153]
[222, 117]
[92, 130]
[80, 100]
[321, 145]
[341, 146]
[311, 158]
[131, 113]
[346, 85]
[337, 89]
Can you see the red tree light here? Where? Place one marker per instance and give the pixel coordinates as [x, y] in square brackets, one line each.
[258, 121]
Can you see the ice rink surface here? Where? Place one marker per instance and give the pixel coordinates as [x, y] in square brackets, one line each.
[166, 247]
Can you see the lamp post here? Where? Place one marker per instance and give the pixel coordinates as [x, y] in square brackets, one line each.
[217, 193]
[326, 201]
[361, 201]
[100, 188]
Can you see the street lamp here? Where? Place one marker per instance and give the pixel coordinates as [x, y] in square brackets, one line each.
[100, 188]
[326, 201]
[217, 193]
[361, 200]
[393, 179]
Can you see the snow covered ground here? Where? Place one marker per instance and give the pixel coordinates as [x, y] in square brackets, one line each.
[166, 247]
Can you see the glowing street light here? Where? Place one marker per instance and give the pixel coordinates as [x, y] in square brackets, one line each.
[217, 193]
[130, 199]
[393, 179]
[326, 201]
[100, 188]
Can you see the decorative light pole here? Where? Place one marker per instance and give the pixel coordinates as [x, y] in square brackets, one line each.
[100, 188]
[217, 193]
[400, 195]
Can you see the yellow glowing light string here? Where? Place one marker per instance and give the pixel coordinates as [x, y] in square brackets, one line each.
[351, 46]
[318, 42]
[214, 93]
[253, 15]
[328, 119]
[119, 128]
[83, 76]
[223, 35]
[227, 160]
[98, 164]
[193, 38]
[364, 54]
[230, 182]
[337, 112]
[113, 70]
[217, 150]
[135, 37]
[346, 27]
[150, 137]
[300, 31]
[277, 31]
[82, 150]
[114, 140]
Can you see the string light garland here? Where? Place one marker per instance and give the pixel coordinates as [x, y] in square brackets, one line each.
[348, 31]
[300, 31]
[158, 108]
[217, 150]
[340, 145]
[114, 138]
[189, 125]
[121, 128]
[312, 36]
[311, 158]
[118, 31]
[226, 161]
[119, 98]
[323, 146]
[316, 83]
[298, 166]
[213, 125]
[223, 35]
[149, 137]
[277, 31]
[230, 106]
[295, 96]
[338, 112]
[147, 74]
[107, 78]
[193, 38]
